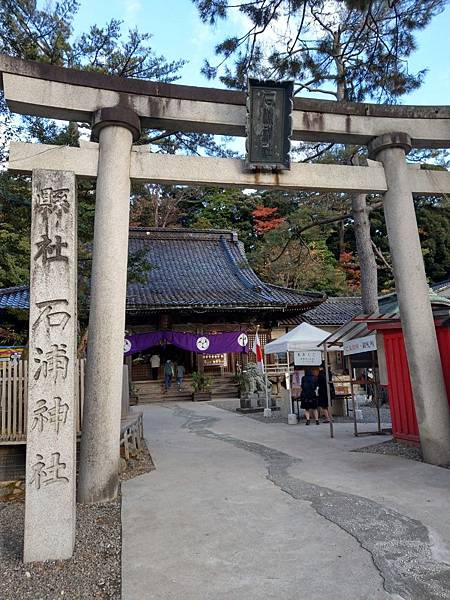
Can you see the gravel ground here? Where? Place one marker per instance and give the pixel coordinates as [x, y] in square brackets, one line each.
[370, 414]
[94, 571]
[395, 449]
[138, 465]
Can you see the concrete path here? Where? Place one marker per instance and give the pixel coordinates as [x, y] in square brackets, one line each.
[239, 509]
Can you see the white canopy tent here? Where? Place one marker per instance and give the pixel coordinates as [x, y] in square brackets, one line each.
[303, 337]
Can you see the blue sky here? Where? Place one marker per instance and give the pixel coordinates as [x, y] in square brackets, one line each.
[178, 33]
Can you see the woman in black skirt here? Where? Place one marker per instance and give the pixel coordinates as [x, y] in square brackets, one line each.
[322, 399]
[309, 396]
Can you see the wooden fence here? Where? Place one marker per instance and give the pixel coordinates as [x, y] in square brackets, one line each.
[14, 396]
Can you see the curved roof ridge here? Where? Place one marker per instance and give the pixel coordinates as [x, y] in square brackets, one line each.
[238, 271]
[182, 232]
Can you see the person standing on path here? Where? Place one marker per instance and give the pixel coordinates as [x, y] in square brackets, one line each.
[180, 376]
[155, 363]
[309, 396]
[168, 374]
[322, 399]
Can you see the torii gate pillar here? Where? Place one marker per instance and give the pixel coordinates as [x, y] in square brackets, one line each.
[422, 350]
[115, 128]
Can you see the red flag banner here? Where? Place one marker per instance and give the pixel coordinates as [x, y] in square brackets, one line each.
[257, 350]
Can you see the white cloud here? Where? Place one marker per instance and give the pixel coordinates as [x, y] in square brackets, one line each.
[131, 8]
[285, 28]
[203, 37]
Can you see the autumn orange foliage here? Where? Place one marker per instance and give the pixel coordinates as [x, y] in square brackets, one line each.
[350, 266]
[266, 219]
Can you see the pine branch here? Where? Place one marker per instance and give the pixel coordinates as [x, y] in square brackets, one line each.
[381, 257]
[297, 232]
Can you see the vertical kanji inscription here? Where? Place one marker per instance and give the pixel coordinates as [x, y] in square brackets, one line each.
[51, 435]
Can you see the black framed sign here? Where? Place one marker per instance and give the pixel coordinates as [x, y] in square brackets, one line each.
[269, 124]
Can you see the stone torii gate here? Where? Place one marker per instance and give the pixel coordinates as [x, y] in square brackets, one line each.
[117, 108]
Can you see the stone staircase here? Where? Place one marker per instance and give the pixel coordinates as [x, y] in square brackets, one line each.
[153, 391]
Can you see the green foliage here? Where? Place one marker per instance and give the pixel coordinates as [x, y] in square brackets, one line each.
[46, 35]
[433, 220]
[242, 379]
[320, 255]
[15, 205]
[200, 382]
[14, 327]
[220, 209]
[14, 257]
[305, 264]
[434, 230]
[41, 35]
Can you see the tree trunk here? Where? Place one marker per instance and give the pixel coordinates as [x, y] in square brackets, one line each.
[367, 262]
[368, 265]
[81, 350]
[340, 69]
[341, 238]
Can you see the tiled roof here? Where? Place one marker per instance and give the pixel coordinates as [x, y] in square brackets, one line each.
[193, 269]
[204, 269]
[334, 311]
[441, 286]
[15, 297]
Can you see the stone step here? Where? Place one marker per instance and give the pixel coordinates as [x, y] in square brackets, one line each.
[153, 391]
[215, 377]
[186, 384]
[230, 391]
[164, 398]
[181, 396]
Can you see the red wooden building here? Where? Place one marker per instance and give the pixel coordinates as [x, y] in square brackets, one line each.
[403, 414]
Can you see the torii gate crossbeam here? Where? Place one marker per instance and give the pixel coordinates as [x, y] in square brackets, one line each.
[48, 91]
[147, 167]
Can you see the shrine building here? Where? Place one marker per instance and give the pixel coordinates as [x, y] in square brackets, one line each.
[200, 282]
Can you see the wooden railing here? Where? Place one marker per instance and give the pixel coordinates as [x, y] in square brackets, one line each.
[14, 397]
[277, 369]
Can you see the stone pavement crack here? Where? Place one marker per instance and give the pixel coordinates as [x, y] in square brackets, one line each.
[399, 546]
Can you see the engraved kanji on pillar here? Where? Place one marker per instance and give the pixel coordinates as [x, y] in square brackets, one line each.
[51, 419]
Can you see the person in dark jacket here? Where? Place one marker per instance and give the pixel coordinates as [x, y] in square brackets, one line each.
[309, 396]
[168, 374]
[322, 397]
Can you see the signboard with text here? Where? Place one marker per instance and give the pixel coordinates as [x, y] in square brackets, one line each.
[359, 345]
[269, 124]
[309, 358]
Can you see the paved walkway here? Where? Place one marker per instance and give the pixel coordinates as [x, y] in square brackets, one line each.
[238, 509]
